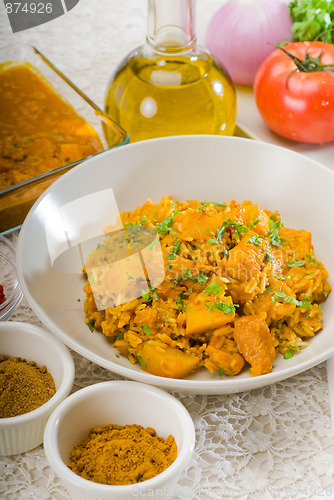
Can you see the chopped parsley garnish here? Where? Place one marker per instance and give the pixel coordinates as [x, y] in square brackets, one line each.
[274, 237]
[280, 278]
[325, 293]
[165, 226]
[213, 288]
[290, 300]
[212, 241]
[201, 278]
[256, 240]
[239, 228]
[144, 219]
[220, 372]
[254, 223]
[153, 243]
[171, 256]
[296, 263]
[146, 296]
[312, 259]
[176, 247]
[151, 294]
[141, 361]
[100, 245]
[179, 301]
[120, 336]
[290, 353]
[91, 323]
[207, 203]
[166, 317]
[146, 329]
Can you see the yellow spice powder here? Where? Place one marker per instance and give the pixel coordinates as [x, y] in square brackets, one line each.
[24, 386]
[127, 454]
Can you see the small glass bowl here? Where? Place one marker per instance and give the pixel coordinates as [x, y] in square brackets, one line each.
[9, 279]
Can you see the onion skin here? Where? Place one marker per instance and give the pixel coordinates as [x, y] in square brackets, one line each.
[243, 33]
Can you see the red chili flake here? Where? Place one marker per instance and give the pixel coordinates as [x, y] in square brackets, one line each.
[2, 295]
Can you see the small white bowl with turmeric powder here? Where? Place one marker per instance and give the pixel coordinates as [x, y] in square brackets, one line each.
[119, 440]
[36, 374]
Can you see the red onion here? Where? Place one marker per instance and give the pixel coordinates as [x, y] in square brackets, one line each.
[242, 34]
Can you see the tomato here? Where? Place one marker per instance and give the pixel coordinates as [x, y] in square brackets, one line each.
[297, 104]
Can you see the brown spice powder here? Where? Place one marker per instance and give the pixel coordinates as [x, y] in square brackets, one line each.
[24, 386]
[115, 454]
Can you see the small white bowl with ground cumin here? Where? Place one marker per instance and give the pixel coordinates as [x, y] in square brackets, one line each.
[119, 440]
[36, 374]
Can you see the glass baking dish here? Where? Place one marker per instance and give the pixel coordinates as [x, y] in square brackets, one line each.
[16, 200]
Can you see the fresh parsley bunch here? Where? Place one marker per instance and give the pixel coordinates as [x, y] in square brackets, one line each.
[313, 19]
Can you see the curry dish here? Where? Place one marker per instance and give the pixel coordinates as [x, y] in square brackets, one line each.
[227, 287]
[39, 131]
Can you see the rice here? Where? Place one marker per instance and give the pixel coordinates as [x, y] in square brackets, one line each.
[182, 285]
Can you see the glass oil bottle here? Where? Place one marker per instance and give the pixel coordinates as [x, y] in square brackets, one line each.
[170, 85]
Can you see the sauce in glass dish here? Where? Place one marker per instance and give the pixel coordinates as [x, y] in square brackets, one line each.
[39, 131]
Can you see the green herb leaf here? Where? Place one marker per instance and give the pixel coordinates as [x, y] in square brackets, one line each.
[256, 240]
[296, 263]
[213, 288]
[220, 372]
[165, 226]
[146, 296]
[179, 301]
[222, 306]
[274, 237]
[305, 303]
[290, 353]
[91, 323]
[176, 247]
[312, 259]
[146, 329]
[312, 20]
[141, 361]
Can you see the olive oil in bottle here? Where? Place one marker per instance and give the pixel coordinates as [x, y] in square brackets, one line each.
[170, 85]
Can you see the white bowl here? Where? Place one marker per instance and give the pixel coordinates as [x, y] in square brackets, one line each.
[213, 168]
[25, 432]
[118, 403]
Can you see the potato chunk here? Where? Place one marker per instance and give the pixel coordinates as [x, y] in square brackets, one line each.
[167, 362]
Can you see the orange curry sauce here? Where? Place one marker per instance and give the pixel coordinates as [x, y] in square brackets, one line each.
[39, 131]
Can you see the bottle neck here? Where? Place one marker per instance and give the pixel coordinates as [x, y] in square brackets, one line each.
[171, 25]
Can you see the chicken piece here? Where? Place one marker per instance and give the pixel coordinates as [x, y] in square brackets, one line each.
[246, 258]
[254, 341]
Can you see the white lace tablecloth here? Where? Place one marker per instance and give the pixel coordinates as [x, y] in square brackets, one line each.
[270, 443]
